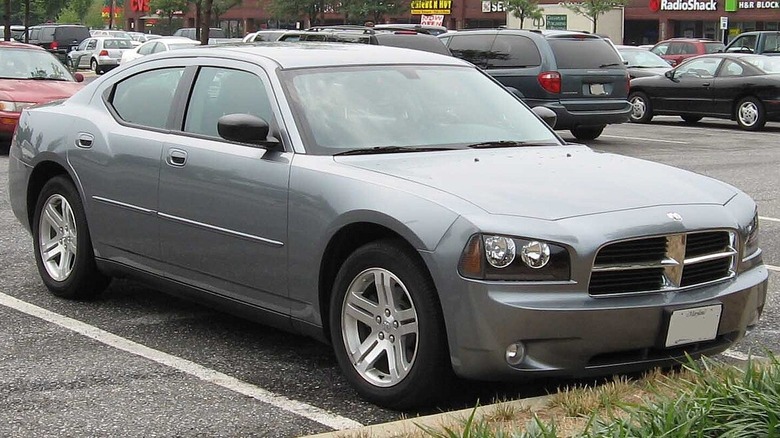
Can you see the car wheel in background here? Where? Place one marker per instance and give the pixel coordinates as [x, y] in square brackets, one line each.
[750, 114]
[691, 119]
[63, 249]
[387, 327]
[587, 132]
[93, 65]
[641, 110]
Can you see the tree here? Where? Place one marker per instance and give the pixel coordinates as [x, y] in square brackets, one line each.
[168, 8]
[523, 9]
[371, 10]
[313, 10]
[592, 9]
[219, 7]
[205, 24]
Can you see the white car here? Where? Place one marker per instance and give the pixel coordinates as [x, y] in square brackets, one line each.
[99, 53]
[158, 45]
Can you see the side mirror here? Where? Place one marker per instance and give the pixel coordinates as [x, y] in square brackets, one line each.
[244, 128]
[546, 114]
[79, 77]
[669, 74]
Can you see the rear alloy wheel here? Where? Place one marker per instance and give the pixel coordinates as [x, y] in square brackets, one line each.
[93, 65]
[587, 132]
[387, 329]
[63, 249]
[641, 110]
[750, 114]
[691, 119]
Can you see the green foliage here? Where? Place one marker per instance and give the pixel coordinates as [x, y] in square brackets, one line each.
[523, 9]
[592, 9]
[219, 7]
[80, 8]
[359, 11]
[168, 7]
[298, 9]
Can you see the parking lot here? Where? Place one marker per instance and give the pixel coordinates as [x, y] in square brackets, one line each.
[137, 362]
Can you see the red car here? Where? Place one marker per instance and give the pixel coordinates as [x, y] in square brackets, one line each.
[676, 50]
[30, 75]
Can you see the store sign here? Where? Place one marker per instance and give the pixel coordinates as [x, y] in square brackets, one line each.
[734, 5]
[139, 5]
[489, 6]
[683, 5]
[432, 20]
[555, 22]
[431, 7]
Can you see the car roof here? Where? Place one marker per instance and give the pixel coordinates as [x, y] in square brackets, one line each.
[688, 40]
[319, 54]
[18, 45]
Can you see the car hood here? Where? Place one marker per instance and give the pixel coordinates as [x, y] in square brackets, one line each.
[37, 91]
[548, 182]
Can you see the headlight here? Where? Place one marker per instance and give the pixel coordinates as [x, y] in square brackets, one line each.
[494, 257]
[14, 107]
[751, 243]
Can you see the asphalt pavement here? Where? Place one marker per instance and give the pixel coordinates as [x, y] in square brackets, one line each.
[137, 362]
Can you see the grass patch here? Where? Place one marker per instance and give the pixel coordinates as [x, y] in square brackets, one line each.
[703, 399]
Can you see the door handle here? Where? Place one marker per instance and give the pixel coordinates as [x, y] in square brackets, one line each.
[177, 157]
[84, 140]
[706, 84]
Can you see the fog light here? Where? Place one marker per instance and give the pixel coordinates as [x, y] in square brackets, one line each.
[515, 353]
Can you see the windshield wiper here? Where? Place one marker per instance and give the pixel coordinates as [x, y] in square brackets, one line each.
[508, 144]
[39, 78]
[389, 150]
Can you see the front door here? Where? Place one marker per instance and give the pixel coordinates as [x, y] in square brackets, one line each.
[689, 92]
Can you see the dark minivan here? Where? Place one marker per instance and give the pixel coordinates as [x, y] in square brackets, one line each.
[58, 39]
[579, 76]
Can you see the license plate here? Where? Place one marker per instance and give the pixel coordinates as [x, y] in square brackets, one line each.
[597, 89]
[693, 325]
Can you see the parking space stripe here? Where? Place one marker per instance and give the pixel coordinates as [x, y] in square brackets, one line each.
[770, 219]
[657, 140]
[734, 354]
[772, 268]
[206, 374]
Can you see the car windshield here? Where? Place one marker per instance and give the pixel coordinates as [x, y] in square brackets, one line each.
[767, 64]
[118, 44]
[407, 106]
[31, 64]
[122, 35]
[643, 58]
[182, 45]
[713, 47]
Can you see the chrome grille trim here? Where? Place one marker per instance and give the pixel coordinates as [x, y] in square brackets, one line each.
[667, 272]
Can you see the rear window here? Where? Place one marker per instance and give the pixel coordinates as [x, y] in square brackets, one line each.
[118, 44]
[427, 43]
[584, 53]
[514, 51]
[713, 47]
[473, 48]
[71, 33]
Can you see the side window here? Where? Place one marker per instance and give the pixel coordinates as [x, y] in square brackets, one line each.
[221, 91]
[92, 44]
[661, 49]
[513, 51]
[698, 68]
[731, 69]
[146, 98]
[83, 45]
[147, 49]
[472, 48]
[745, 44]
[159, 47]
[689, 49]
[772, 43]
[34, 34]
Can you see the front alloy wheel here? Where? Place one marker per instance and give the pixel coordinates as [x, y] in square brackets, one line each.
[641, 111]
[58, 237]
[387, 328]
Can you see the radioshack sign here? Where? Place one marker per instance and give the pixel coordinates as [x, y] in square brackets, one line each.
[683, 5]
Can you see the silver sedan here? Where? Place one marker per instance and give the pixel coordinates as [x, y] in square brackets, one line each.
[99, 53]
[399, 204]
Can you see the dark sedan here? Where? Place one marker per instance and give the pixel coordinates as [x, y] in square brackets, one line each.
[740, 87]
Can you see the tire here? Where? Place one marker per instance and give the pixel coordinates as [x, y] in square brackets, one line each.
[641, 109]
[750, 114]
[587, 132]
[67, 264]
[408, 331]
[93, 65]
[691, 119]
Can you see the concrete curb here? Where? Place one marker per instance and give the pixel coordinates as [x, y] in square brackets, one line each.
[411, 426]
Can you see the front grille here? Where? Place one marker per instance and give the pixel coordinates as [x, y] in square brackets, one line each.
[663, 263]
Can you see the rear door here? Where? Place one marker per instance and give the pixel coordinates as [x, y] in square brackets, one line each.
[592, 72]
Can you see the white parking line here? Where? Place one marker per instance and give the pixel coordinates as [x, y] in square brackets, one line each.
[734, 354]
[657, 140]
[298, 408]
[770, 219]
[772, 268]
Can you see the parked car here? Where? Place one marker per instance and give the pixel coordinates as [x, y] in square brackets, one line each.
[400, 204]
[158, 45]
[141, 38]
[58, 39]
[765, 42]
[579, 76]
[407, 39]
[29, 76]
[734, 86]
[676, 50]
[99, 54]
[641, 63]
[421, 28]
[189, 32]
[17, 32]
[112, 33]
[264, 35]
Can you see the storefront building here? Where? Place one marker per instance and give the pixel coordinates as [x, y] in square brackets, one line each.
[253, 15]
[649, 21]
